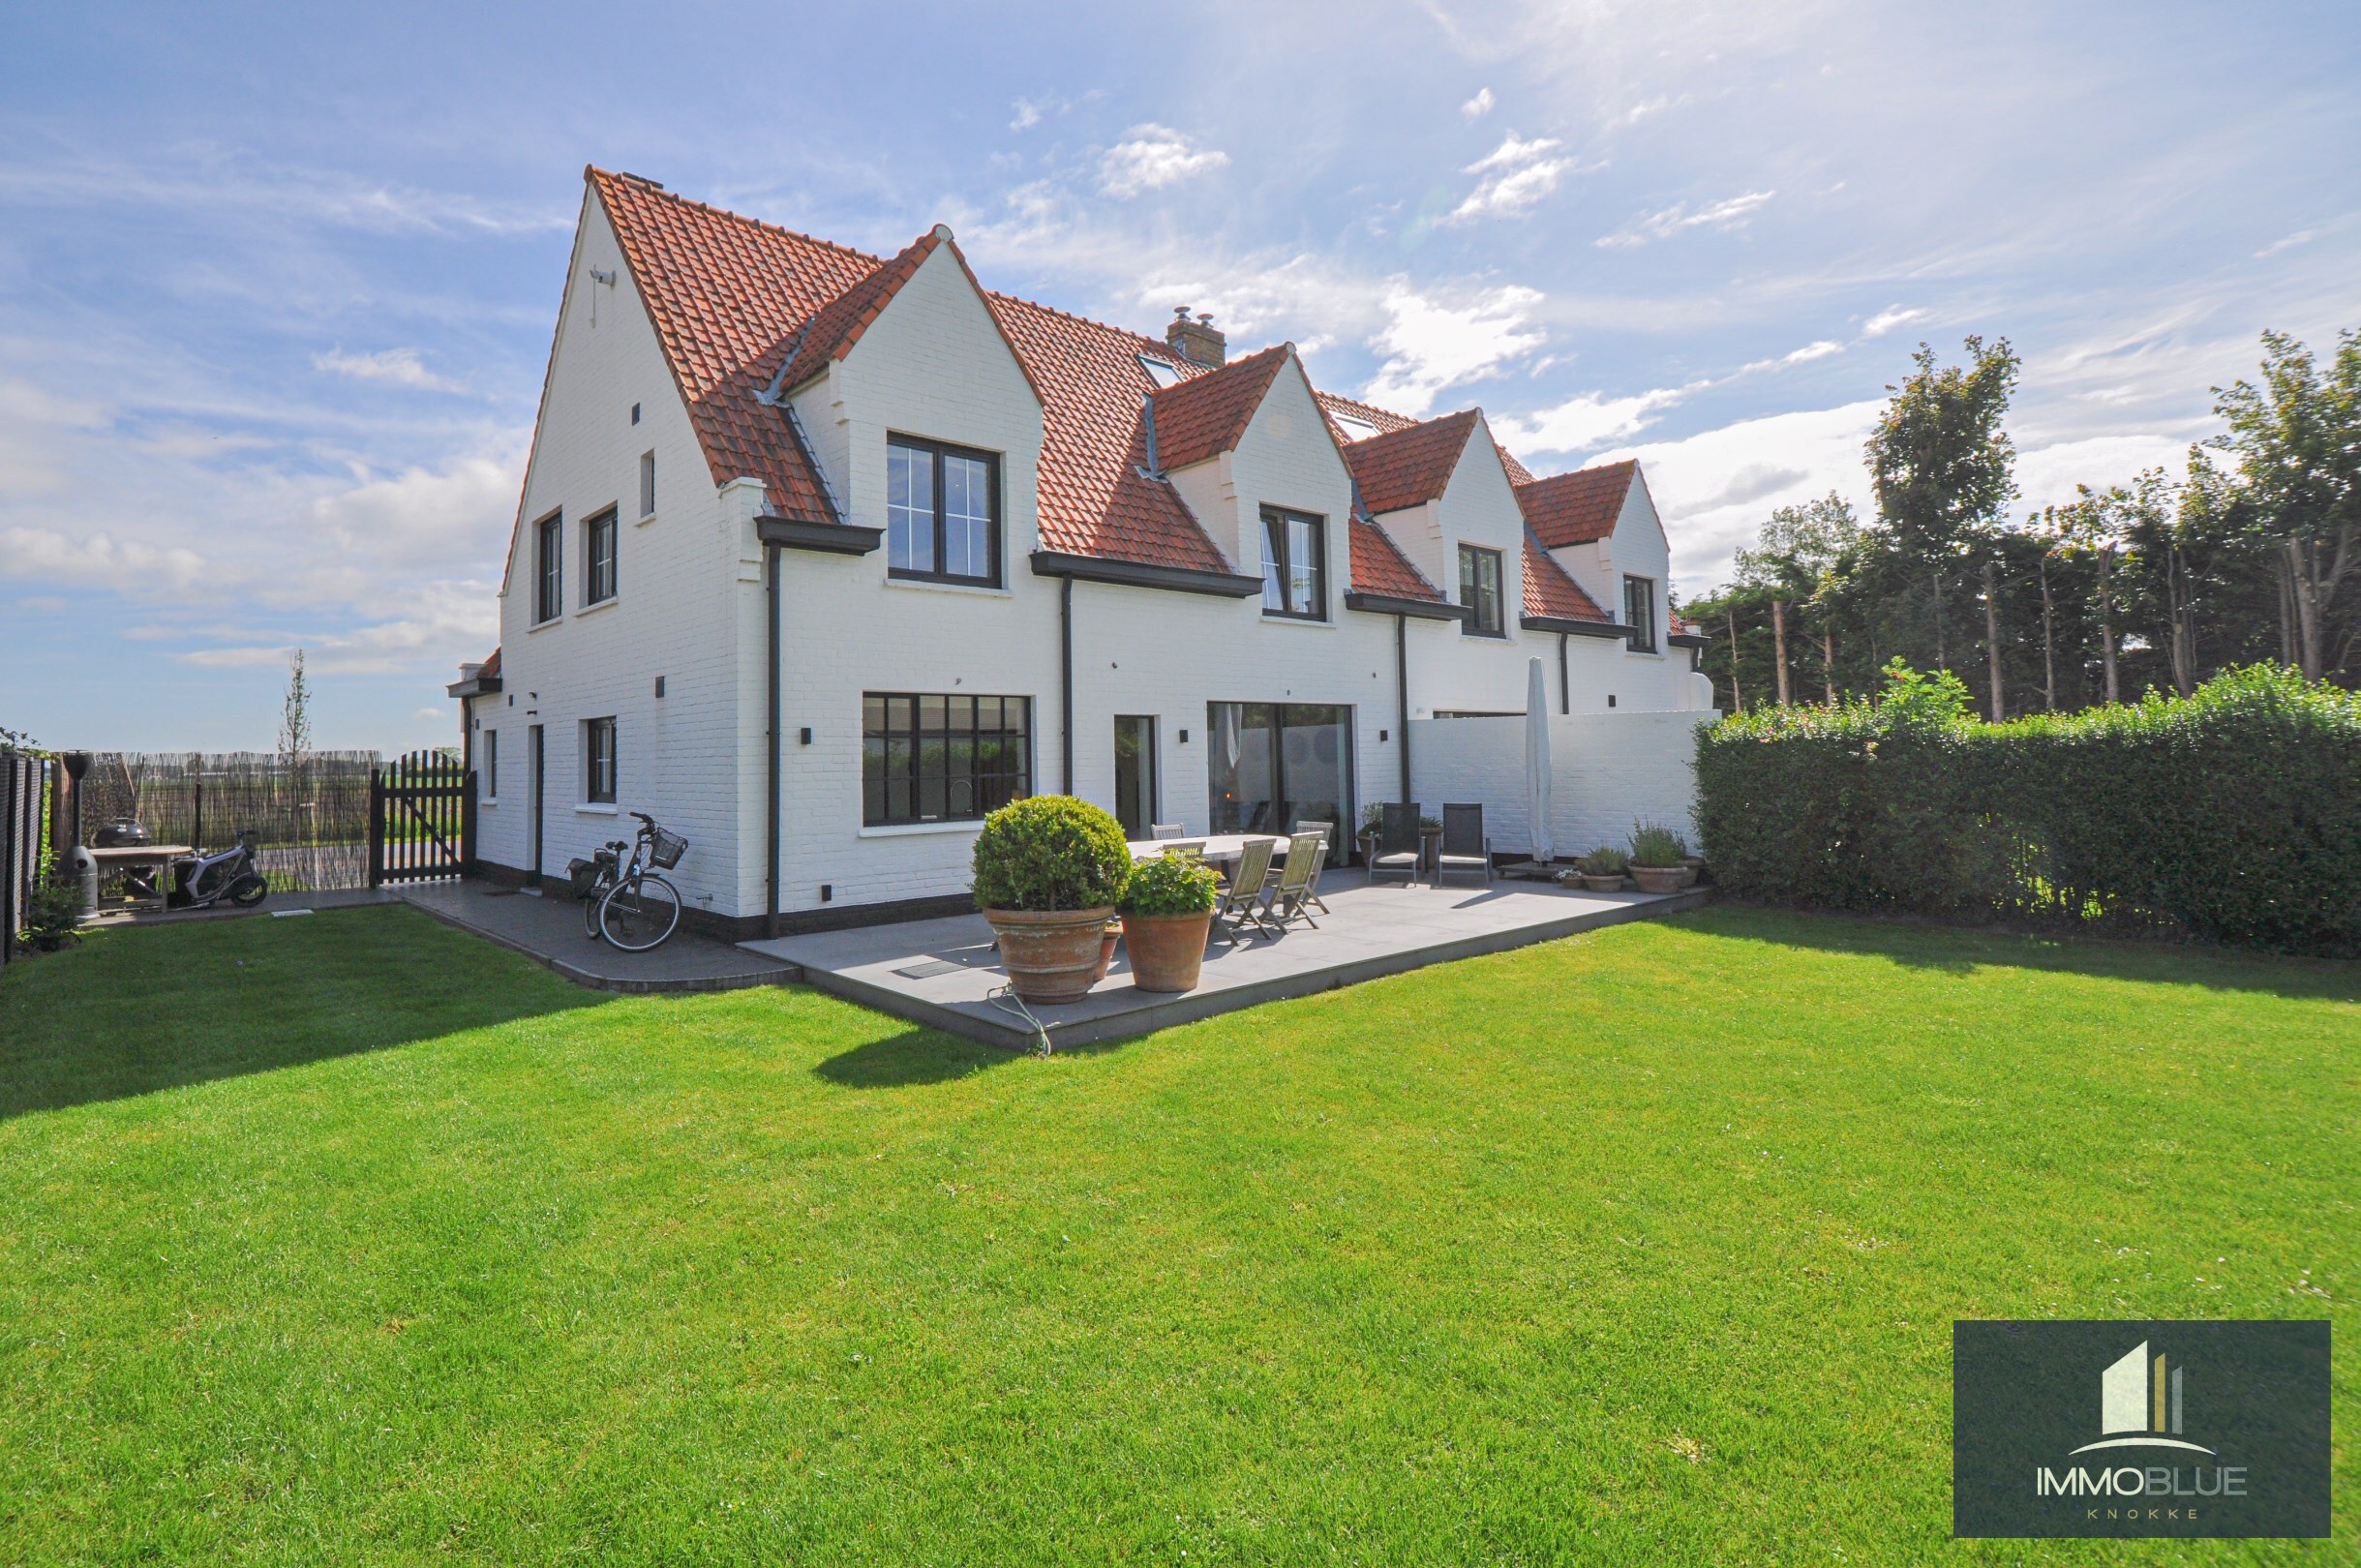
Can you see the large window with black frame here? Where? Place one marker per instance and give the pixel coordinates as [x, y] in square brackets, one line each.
[598, 761]
[942, 512]
[598, 558]
[1480, 589]
[1640, 613]
[942, 757]
[548, 568]
[1271, 765]
[1294, 565]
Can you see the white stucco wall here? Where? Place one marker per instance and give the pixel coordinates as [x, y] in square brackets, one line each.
[677, 604]
[1607, 770]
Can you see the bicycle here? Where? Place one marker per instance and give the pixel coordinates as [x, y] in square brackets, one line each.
[629, 903]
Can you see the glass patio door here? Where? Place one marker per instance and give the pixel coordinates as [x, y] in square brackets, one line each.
[1273, 765]
[1136, 773]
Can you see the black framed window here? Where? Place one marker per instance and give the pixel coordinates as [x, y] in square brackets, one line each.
[549, 567]
[598, 558]
[938, 757]
[1294, 565]
[1640, 613]
[942, 512]
[646, 484]
[1480, 589]
[492, 764]
[598, 761]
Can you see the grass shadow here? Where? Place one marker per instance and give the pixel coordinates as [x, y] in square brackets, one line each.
[135, 1010]
[912, 1058]
[1920, 943]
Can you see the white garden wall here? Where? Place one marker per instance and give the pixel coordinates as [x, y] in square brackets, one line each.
[1607, 770]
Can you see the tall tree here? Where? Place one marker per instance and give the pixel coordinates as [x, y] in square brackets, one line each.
[295, 715]
[2297, 441]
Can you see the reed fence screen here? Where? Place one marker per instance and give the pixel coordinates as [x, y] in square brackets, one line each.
[309, 813]
[25, 783]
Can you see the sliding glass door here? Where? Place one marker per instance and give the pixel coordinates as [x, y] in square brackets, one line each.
[1273, 764]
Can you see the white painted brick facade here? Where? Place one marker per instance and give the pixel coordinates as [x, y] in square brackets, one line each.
[1607, 770]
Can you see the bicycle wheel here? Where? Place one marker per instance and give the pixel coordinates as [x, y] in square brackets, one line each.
[590, 910]
[639, 913]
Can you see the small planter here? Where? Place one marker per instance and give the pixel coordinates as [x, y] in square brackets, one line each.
[1695, 866]
[1602, 883]
[1049, 954]
[1661, 878]
[1168, 952]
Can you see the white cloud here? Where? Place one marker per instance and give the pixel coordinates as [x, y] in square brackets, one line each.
[2302, 237]
[1585, 421]
[1517, 174]
[1476, 108]
[424, 517]
[1152, 156]
[1429, 346]
[2046, 475]
[1729, 214]
[396, 367]
[1887, 319]
[97, 559]
[1028, 114]
[1801, 356]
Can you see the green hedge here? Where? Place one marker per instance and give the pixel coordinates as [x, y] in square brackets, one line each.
[2232, 816]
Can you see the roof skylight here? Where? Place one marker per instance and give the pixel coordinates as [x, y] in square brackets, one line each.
[1163, 374]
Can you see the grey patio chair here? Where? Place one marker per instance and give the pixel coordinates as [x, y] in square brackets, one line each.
[1288, 902]
[1327, 844]
[1239, 905]
[1397, 842]
[1167, 830]
[1464, 848]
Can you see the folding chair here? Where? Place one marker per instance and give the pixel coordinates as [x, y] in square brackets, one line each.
[1397, 842]
[1327, 841]
[1243, 892]
[1286, 903]
[1464, 848]
[1167, 830]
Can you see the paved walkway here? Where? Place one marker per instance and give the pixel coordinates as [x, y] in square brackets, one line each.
[277, 903]
[550, 931]
[944, 972]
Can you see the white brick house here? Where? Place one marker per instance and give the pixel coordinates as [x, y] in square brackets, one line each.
[821, 555]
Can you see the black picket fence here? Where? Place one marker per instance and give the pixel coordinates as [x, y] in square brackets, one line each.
[310, 814]
[25, 783]
[421, 819]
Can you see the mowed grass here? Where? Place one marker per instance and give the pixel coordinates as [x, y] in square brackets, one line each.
[353, 1239]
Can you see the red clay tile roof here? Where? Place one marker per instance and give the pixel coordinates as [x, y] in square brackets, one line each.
[1204, 415]
[1379, 566]
[1578, 507]
[1409, 465]
[1517, 473]
[1550, 591]
[491, 665]
[838, 325]
[1386, 420]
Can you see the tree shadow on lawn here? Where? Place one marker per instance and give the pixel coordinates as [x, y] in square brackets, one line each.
[135, 1010]
[1924, 943]
[922, 1056]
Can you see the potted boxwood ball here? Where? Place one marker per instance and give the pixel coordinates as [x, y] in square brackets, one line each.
[1657, 856]
[1167, 910]
[1048, 871]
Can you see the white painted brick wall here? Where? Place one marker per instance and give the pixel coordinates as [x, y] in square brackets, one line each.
[1607, 770]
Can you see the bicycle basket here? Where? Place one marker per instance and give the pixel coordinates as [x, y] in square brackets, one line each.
[664, 849]
[582, 876]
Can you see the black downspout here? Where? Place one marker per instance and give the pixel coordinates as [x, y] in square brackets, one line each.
[1064, 623]
[1402, 683]
[1565, 692]
[771, 828]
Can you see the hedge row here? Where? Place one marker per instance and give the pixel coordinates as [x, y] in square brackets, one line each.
[2232, 816]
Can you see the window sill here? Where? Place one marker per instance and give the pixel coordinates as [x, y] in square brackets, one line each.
[592, 808]
[1489, 636]
[488, 800]
[931, 585]
[607, 603]
[544, 625]
[1323, 623]
[1643, 653]
[913, 829]
[642, 521]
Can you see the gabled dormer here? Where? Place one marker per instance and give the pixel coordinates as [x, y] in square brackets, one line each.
[1600, 525]
[1442, 494]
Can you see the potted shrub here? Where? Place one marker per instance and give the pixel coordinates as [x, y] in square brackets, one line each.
[1657, 856]
[1048, 871]
[1167, 910]
[1602, 869]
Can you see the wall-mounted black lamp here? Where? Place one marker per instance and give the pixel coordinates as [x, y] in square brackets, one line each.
[804, 736]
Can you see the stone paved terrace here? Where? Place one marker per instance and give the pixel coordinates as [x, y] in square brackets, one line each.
[944, 972]
[549, 929]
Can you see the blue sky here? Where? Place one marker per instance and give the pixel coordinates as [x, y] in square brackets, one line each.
[277, 284]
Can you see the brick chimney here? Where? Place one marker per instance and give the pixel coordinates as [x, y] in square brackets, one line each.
[1199, 341]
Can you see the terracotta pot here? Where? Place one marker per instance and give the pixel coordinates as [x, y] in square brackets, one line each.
[1659, 879]
[1107, 951]
[1167, 950]
[1048, 954]
[1602, 883]
[1695, 866]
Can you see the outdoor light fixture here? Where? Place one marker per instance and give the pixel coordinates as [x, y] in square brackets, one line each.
[805, 734]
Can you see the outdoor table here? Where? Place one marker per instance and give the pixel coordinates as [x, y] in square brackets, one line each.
[1219, 847]
[132, 856]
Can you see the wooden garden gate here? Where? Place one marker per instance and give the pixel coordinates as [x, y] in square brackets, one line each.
[421, 819]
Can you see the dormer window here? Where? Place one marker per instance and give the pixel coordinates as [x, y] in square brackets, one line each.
[942, 513]
[1640, 613]
[1294, 565]
[1353, 429]
[1159, 372]
[1480, 589]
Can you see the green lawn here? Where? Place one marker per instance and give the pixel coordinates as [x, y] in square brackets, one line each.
[352, 1238]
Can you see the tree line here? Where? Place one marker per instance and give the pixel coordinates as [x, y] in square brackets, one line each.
[2253, 553]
